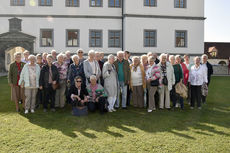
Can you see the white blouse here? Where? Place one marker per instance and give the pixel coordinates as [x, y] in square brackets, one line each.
[197, 76]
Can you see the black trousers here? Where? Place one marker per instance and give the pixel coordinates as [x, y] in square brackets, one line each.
[195, 95]
[100, 105]
[49, 95]
[39, 97]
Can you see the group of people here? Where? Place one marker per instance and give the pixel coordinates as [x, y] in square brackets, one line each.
[96, 83]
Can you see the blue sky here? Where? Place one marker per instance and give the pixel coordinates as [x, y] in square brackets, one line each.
[217, 24]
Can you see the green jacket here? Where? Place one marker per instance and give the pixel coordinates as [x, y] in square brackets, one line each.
[126, 70]
[13, 73]
[178, 72]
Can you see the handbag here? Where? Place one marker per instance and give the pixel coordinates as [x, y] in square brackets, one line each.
[55, 86]
[165, 81]
[181, 89]
[154, 83]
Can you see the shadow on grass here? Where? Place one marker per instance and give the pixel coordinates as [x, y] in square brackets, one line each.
[127, 121]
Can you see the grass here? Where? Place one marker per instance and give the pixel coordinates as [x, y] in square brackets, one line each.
[135, 130]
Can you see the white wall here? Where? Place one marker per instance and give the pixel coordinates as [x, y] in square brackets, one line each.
[195, 8]
[134, 35]
[58, 8]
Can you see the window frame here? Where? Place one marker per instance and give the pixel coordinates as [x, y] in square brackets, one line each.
[101, 43]
[150, 5]
[78, 37]
[185, 4]
[95, 5]
[120, 39]
[120, 1]
[13, 4]
[185, 39]
[40, 4]
[150, 30]
[41, 30]
[78, 4]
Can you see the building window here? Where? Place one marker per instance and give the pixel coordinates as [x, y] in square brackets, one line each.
[180, 3]
[114, 3]
[46, 38]
[150, 38]
[45, 2]
[150, 3]
[72, 38]
[72, 3]
[181, 38]
[96, 3]
[17, 2]
[115, 38]
[95, 38]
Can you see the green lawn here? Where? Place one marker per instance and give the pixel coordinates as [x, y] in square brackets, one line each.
[135, 130]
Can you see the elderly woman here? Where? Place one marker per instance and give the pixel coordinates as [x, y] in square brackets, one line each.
[97, 96]
[153, 76]
[80, 54]
[144, 61]
[44, 55]
[49, 78]
[39, 93]
[178, 73]
[167, 81]
[29, 79]
[60, 92]
[79, 97]
[76, 69]
[110, 82]
[137, 82]
[17, 93]
[91, 67]
[197, 77]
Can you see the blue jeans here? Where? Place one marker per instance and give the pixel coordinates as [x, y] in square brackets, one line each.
[123, 89]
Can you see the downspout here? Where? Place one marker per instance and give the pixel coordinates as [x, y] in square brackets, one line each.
[122, 22]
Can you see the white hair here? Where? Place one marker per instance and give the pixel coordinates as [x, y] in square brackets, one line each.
[60, 55]
[177, 56]
[67, 52]
[111, 56]
[120, 52]
[79, 50]
[91, 52]
[17, 53]
[31, 56]
[74, 56]
[93, 77]
[196, 58]
[171, 56]
[49, 56]
[26, 51]
[162, 55]
[204, 55]
[135, 57]
[53, 51]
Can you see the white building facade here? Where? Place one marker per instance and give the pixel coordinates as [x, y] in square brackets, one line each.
[140, 26]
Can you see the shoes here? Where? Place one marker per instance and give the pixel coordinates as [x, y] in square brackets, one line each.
[32, 111]
[45, 110]
[26, 111]
[110, 110]
[149, 110]
[114, 110]
[191, 107]
[199, 108]
[124, 108]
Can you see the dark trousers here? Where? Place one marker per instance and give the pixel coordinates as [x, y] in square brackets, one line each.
[100, 105]
[39, 98]
[195, 95]
[176, 97]
[128, 96]
[49, 95]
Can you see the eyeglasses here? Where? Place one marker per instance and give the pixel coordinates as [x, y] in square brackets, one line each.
[78, 81]
[80, 52]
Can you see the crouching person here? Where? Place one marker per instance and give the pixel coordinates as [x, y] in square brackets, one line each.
[97, 96]
[79, 99]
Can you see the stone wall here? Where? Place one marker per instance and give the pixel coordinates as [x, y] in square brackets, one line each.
[220, 70]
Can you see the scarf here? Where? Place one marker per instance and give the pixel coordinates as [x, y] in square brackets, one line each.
[93, 88]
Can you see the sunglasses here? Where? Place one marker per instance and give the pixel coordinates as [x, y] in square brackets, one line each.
[78, 81]
[80, 52]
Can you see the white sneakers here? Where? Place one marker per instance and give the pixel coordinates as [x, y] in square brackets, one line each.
[149, 110]
[112, 110]
[27, 111]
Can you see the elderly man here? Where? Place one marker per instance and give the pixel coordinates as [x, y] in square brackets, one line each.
[26, 54]
[208, 70]
[54, 55]
[91, 67]
[123, 71]
[80, 54]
